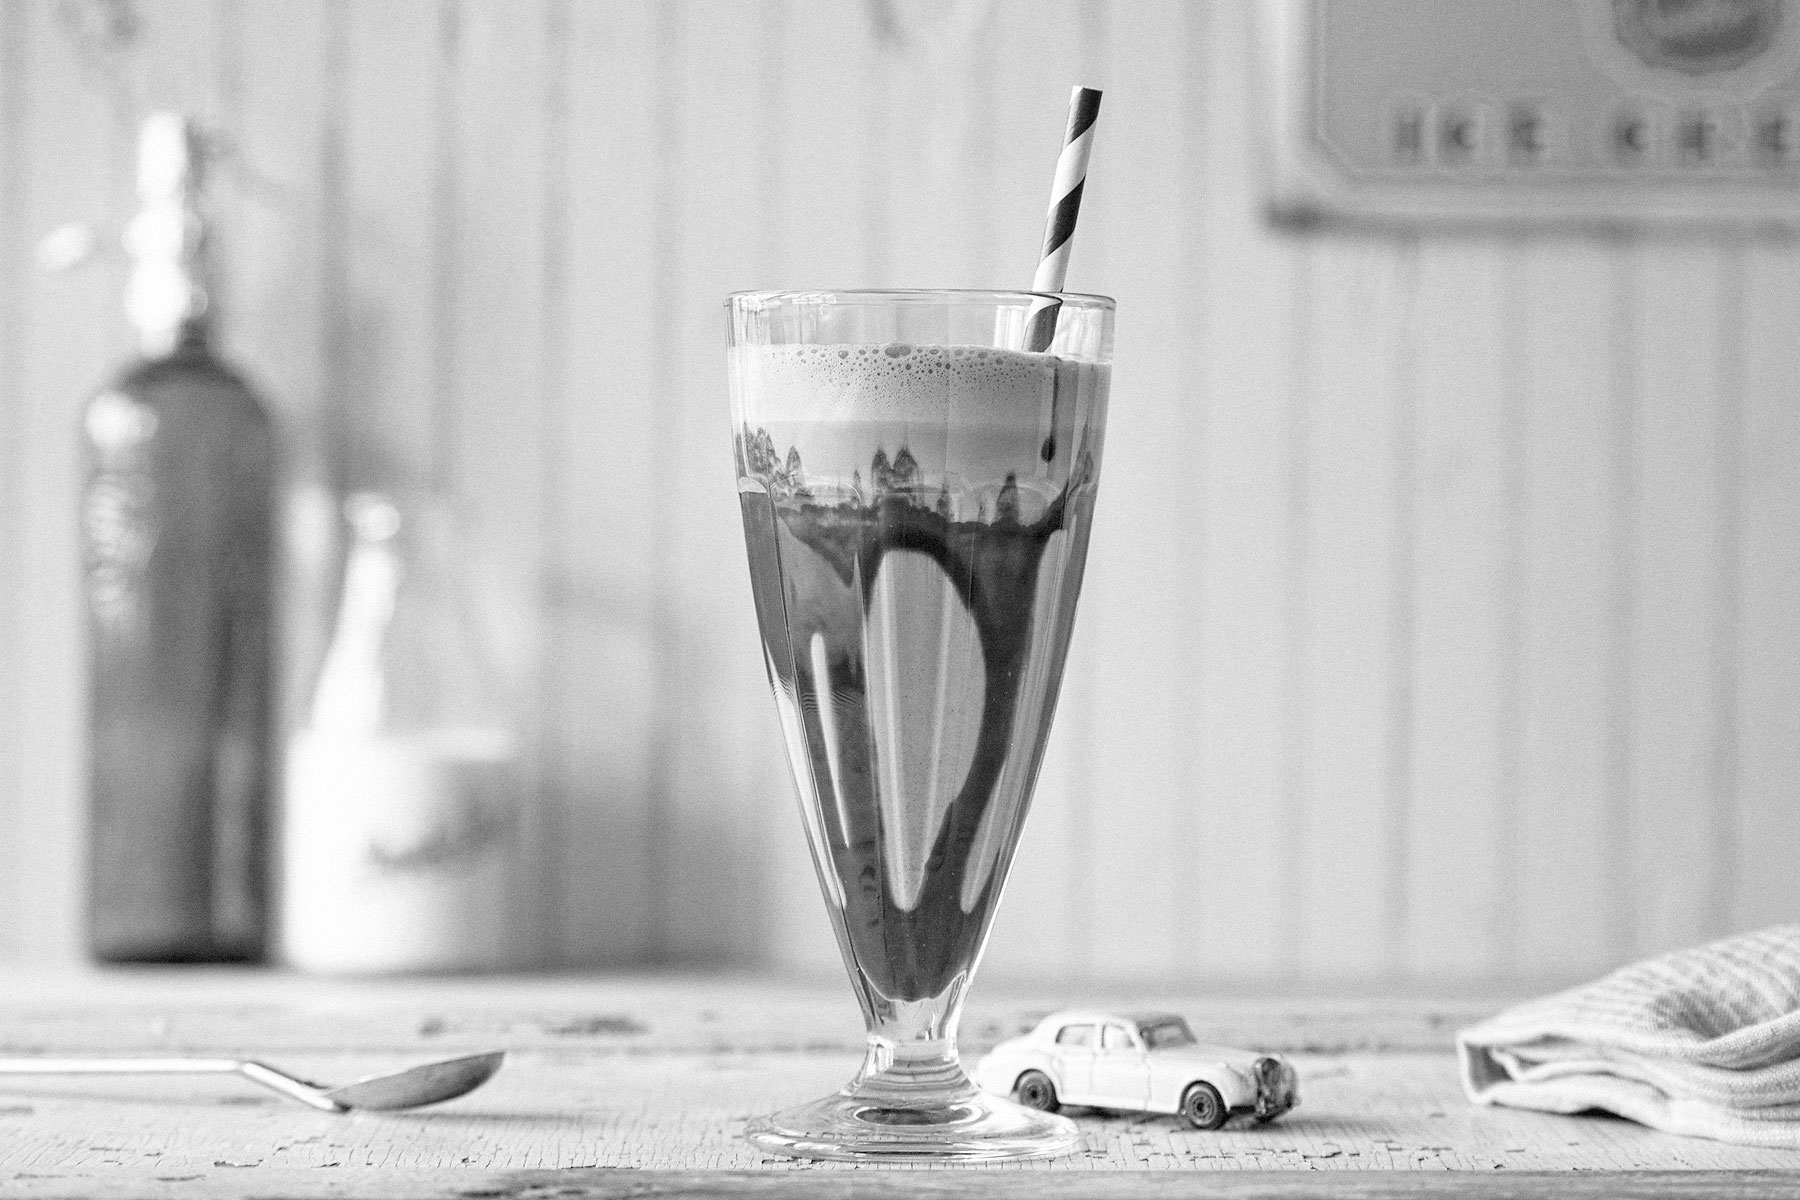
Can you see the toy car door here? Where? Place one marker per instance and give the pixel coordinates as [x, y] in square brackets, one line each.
[1073, 1058]
[1121, 1069]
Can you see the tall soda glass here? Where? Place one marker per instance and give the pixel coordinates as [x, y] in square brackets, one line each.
[916, 494]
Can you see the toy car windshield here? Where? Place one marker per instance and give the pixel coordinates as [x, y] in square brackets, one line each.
[1167, 1033]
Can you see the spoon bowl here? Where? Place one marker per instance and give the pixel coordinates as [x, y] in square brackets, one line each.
[415, 1087]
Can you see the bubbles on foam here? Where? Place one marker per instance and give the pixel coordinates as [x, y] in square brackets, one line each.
[899, 382]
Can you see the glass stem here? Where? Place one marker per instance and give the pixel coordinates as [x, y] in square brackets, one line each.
[912, 1047]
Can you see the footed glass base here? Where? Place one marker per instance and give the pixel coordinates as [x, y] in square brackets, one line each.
[867, 1122]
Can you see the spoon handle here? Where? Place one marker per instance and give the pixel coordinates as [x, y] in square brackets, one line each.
[119, 1066]
[256, 1072]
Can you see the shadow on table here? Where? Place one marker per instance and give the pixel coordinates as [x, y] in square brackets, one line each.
[488, 1116]
[1292, 1123]
[16, 1098]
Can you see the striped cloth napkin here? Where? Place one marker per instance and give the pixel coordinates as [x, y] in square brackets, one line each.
[1703, 1042]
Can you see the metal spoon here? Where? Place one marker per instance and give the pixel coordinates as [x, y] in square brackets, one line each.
[428, 1083]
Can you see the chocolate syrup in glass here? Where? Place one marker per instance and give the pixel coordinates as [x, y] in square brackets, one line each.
[914, 629]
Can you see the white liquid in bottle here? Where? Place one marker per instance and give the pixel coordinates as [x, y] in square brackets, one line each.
[399, 833]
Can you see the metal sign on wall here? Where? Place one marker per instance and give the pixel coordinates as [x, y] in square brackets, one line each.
[1534, 111]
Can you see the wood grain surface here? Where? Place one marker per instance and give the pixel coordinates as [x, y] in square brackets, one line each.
[640, 1086]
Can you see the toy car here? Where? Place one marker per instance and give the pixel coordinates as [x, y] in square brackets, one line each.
[1143, 1062]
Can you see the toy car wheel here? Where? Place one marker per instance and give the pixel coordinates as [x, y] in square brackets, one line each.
[1034, 1090]
[1203, 1107]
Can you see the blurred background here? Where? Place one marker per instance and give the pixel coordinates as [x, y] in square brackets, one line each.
[1442, 624]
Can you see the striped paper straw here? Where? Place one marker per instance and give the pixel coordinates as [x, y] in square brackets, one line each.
[1065, 205]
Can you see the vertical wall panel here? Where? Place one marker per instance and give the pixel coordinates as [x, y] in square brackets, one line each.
[274, 112]
[1567, 910]
[1356, 635]
[495, 398]
[1724, 681]
[1244, 858]
[1765, 843]
[602, 653]
[828, 160]
[494, 404]
[15, 259]
[1678, 551]
[1455, 880]
[68, 348]
[385, 326]
[934, 92]
[495, 401]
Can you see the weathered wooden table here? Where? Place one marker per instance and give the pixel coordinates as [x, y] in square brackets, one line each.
[638, 1086]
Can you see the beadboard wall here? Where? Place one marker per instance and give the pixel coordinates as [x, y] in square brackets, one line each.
[1443, 616]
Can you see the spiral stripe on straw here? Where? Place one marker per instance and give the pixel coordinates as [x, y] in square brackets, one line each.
[1065, 206]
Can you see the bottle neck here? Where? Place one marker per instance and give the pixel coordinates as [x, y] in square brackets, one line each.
[169, 296]
[168, 303]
